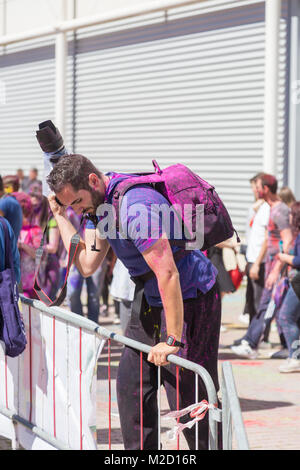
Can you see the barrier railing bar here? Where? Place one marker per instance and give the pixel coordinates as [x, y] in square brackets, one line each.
[109, 393]
[228, 386]
[214, 415]
[35, 429]
[177, 401]
[159, 405]
[53, 378]
[226, 419]
[141, 402]
[196, 401]
[234, 406]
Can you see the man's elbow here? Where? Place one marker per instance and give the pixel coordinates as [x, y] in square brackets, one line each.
[168, 276]
[86, 270]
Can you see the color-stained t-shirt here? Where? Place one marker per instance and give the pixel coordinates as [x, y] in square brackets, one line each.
[278, 221]
[30, 235]
[143, 224]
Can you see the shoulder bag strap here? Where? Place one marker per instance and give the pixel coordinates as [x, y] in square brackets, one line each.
[38, 258]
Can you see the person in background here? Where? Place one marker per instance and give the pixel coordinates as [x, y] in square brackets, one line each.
[49, 274]
[122, 291]
[31, 180]
[287, 196]
[11, 210]
[278, 229]
[28, 242]
[14, 248]
[289, 314]
[257, 221]
[22, 178]
[40, 213]
[215, 254]
[11, 184]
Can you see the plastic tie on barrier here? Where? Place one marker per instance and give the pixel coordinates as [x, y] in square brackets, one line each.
[197, 411]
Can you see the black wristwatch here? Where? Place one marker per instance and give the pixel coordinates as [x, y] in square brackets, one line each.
[171, 341]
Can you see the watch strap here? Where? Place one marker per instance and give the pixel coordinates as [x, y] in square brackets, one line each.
[171, 341]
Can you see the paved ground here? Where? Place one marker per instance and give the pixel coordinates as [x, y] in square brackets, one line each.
[270, 401]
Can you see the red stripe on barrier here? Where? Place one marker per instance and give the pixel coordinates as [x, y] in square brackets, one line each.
[30, 364]
[54, 411]
[141, 400]
[80, 379]
[109, 395]
[177, 399]
[5, 371]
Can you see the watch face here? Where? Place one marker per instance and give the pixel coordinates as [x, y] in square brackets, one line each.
[170, 341]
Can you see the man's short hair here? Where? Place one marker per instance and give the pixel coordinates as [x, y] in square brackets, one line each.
[270, 181]
[255, 177]
[1, 184]
[73, 169]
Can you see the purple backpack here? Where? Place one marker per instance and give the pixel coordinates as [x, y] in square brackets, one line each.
[182, 188]
[12, 331]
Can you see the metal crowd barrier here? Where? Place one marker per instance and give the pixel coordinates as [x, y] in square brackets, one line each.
[230, 415]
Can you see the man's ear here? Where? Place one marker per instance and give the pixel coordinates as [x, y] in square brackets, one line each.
[94, 181]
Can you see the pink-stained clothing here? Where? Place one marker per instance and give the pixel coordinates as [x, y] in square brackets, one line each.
[30, 235]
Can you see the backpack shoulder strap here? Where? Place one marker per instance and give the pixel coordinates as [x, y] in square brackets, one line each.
[124, 186]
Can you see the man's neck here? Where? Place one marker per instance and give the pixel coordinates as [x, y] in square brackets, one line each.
[272, 200]
[106, 180]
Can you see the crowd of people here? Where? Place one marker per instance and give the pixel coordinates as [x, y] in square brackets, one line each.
[272, 255]
[271, 250]
[27, 210]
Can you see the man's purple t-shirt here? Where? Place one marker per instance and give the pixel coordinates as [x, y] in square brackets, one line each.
[142, 224]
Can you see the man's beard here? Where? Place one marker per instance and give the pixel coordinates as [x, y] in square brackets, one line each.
[97, 199]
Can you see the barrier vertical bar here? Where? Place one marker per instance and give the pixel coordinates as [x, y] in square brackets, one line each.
[5, 372]
[109, 393]
[159, 405]
[177, 400]
[80, 388]
[53, 378]
[197, 423]
[30, 364]
[141, 400]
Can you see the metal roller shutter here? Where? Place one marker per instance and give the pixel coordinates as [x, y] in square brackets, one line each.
[187, 87]
[27, 77]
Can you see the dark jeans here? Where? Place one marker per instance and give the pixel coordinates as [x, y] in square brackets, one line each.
[260, 325]
[288, 319]
[254, 290]
[202, 319]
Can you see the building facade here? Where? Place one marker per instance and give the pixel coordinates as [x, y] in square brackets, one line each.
[181, 85]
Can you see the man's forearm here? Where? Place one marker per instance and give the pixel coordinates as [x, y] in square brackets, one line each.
[67, 230]
[171, 296]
